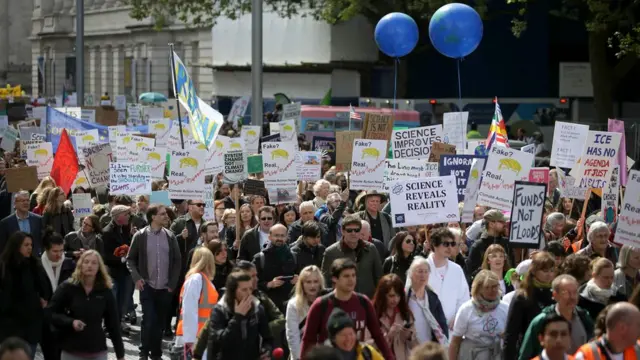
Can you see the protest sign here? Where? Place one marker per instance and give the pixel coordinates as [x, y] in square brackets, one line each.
[40, 155]
[527, 215]
[238, 109]
[186, 174]
[415, 143]
[23, 147]
[97, 159]
[279, 163]
[160, 197]
[270, 138]
[9, 137]
[367, 164]
[157, 158]
[209, 208]
[471, 190]
[134, 116]
[568, 141]
[344, 148]
[571, 191]
[82, 205]
[610, 197]
[31, 133]
[438, 149]
[405, 169]
[274, 128]
[288, 132]
[458, 166]
[160, 127]
[326, 145]
[504, 167]
[292, 111]
[531, 149]
[618, 127]
[81, 181]
[113, 135]
[251, 137]
[235, 170]
[377, 127]
[129, 178]
[283, 196]
[454, 126]
[475, 147]
[254, 187]
[309, 165]
[22, 178]
[88, 115]
[215, 160]
[120, 102]
[598, 158]
[539, 175]
[628, 229]
[424, 201]
[254, 164]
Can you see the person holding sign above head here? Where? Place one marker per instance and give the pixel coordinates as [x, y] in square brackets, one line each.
[493, 229]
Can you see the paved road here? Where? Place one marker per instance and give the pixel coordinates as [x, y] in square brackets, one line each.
[131, 341]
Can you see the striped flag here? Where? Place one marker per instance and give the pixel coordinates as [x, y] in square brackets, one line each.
[498, 130]
[353, 115]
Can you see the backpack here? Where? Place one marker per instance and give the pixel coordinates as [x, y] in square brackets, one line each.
[262, 260]
[324, 305]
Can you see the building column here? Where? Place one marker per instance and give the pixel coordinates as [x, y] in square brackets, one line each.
[95, 75]
[140, 58]
[98, 4]
[117, 71]
[160, 71]
[68, 6]
[59, 54]
[35, 54]
[106, 62]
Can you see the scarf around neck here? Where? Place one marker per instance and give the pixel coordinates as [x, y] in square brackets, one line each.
[48, 268]
[485, 305]
[88, 240]
[594, 293]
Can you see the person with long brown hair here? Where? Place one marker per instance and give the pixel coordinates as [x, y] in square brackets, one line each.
[396, 320]
[247, 221]
[533, 295]
[56, 215]
[496, 260]
[403, 247]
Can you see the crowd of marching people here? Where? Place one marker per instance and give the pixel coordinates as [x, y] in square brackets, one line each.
[328, 277]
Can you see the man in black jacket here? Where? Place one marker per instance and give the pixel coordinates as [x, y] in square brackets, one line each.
[307, 210]
[494, 225]
[257, 239]
[308, 250]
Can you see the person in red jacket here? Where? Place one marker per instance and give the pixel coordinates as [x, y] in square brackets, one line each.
[358, 306]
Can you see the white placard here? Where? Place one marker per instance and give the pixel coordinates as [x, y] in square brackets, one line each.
[235, 162]
[160, 127]
[97, 159]
[288, 132]
[120, 102]
[292, 111]
[471, 190]
[610, 197]
[309, 167]
[40, 155]
[215, 161]
[157, 158]
[454, 128]
[405, 169]
[526, 214]
[9, 137]
[88, 115]
[504, 167]
[628, 230]
[368, 164]
[82, 205]
[415, 143]
[129, 178]
[598, 158]
[424, 201]
[186, 174]
[209, 208]
[279, 165]
[568, 141]
[251, 136]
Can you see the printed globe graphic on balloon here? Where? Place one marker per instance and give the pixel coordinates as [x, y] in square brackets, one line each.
[455, 30]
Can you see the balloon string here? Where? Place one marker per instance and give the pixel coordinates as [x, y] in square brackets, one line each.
[395, 81]
[459, 87]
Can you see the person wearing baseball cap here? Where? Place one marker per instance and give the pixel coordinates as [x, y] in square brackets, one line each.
[493, 229]
[342, 336]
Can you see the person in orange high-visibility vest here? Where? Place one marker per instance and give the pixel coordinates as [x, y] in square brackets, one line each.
[555, 338]
[620, 341]
[197, 298]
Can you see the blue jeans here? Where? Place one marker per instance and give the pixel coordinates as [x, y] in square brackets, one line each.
[122, 290]
[155, 305]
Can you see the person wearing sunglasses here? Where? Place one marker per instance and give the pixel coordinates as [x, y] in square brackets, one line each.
[446, 277]
[257, 239]
[363, 253]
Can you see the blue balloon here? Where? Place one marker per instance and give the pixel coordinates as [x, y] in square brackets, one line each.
[396, 34]
[455, 30]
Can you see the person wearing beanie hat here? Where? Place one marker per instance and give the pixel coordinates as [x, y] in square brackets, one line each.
[342, 336]
[494, 224]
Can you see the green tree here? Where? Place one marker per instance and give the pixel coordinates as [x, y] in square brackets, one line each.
[613, 40]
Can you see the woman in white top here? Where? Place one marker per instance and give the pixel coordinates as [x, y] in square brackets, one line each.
[201, 272]
[309, 286]
[480, 322]
[430, 322]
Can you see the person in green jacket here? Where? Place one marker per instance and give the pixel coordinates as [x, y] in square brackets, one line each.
[565, 292]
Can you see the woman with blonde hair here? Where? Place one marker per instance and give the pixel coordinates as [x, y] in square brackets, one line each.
[197, 298]
[309, 287]
[480, 322]
[56, 215]
[496, 260]
[627, 275]
[41, 200]
[599, 292]
[79, 307]
[46, 183]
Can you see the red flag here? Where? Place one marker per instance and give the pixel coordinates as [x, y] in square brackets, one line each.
[65, 163]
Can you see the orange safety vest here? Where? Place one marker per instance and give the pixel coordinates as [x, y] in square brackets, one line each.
[591, 351]
[208, 299]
